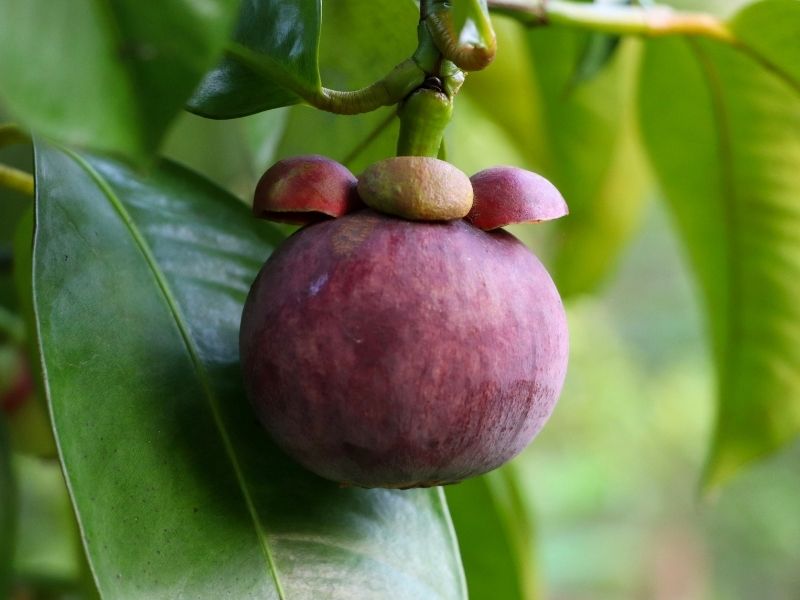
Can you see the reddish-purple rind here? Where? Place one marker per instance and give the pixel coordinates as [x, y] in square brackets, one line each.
[508, 195]
[305, 189]
[384, 353]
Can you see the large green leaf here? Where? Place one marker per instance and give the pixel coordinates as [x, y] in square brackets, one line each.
[591, 156]
[519, 115]
[7, 510]
[771, 30]
[138, 286]
[495, 535]
[284, 35]
[722, 134]
[109, 75]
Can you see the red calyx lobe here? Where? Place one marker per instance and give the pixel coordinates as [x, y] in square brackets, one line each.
[508, 195]
[305, 189]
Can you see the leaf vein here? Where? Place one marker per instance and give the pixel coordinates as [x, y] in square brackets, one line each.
[188, 341]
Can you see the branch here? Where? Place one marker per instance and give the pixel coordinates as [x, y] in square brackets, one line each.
[16, 180]
[652, 21]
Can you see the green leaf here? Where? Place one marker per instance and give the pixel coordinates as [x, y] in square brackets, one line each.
[285, 37]
[770, 30]
[598, 50]
[518, 114]
[107, 75]
[495, 535]
[721, 132]
[8, 511]
[139, 284]
[591, 157]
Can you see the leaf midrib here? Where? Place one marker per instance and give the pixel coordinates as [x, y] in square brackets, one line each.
[733, 331]
[199, 368]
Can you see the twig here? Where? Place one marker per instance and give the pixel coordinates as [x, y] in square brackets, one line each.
[16, 180]
[650, 21]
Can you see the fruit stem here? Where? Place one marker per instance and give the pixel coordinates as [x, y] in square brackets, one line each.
[423, 118]
[652, 21]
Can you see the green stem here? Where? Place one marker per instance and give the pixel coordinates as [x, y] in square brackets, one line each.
[651, 21]
[16, 180]
[390, 90]
[423, 118]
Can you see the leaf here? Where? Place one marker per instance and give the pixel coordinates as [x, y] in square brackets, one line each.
[285, 36]
[598, 50]
[107, 75]
[770, 29]
[138, 285]
[495, 535]
[722, 136]
[592, 157]
[7, 510]
[518, 114]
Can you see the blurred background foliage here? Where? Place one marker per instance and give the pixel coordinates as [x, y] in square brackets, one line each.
[607, 502]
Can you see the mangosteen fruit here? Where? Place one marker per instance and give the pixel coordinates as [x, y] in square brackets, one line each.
[382, 351]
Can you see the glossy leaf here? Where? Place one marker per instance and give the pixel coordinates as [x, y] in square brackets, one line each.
[7, 510]
[496, 536]
[591, 157]
[139, 284]
[722, 134]
[285, 37]
[771, 29]
[108, 75]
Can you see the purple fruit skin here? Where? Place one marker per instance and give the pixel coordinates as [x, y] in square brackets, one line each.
[384, 353]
